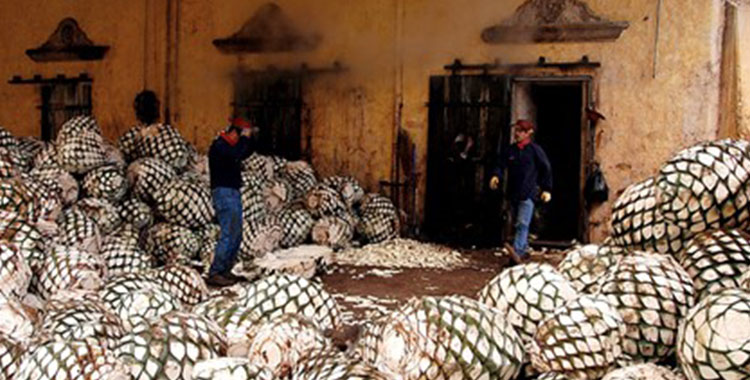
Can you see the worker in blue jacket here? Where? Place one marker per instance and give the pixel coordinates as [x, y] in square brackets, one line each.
[225, 166]
[529, 175]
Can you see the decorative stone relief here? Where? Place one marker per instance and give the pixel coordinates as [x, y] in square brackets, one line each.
[68, 43]
[553, 21]
[269, 30]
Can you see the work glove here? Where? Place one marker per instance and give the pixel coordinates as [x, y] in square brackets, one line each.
[545, 197]
[494, 182]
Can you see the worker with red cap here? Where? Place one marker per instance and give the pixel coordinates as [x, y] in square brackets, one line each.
[225, 166]
[529, 174]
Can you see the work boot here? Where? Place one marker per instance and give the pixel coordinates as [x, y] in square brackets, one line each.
[514, 256]
[220, 280]
[235, 277]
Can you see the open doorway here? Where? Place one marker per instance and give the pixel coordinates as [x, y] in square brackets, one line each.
[556, 106]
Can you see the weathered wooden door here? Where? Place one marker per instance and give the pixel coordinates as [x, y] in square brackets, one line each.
[469, 118]
[61, 102]
[273, 101]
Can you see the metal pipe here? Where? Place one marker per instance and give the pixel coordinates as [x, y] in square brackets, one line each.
[398, 92]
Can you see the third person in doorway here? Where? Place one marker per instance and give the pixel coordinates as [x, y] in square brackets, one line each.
[529, 175]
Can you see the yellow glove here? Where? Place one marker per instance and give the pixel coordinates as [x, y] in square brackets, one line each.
[546, 197]
[494, 182]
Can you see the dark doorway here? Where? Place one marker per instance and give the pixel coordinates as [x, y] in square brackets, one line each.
[559, 108]
[468, 122]
[273, 101]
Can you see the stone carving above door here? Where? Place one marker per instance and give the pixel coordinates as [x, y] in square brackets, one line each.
[68, 43]
[268, 30]
[537, 21]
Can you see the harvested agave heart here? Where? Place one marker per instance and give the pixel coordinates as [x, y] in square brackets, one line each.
[648, 371]
[332, 365]
[137, 296]
[185, 204]
[69, 268]
[379, 220]
[106, 182]
[280, 294]
[164, 142]
[11, 353]
[581, 340]
[280, 343]
[442, 338]
[527, 294]
[716, 259]
[638, 224]
[712, 340]
[15, 273]
[707, 186]
[587, 266]
[149, 175]
[169, 347]
[230, 368]
[72, 360]
[652, 293]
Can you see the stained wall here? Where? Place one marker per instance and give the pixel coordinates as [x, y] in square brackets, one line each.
[659, 92]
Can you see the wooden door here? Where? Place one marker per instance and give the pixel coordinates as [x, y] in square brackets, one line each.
[468, 124]
[273, 102]
[61, 102]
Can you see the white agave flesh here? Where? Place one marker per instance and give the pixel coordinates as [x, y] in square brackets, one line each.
[648, 371]
[281, 343]
[230, 368]
[432, 338]
[331, 365]
[15, 273]
[401, 253]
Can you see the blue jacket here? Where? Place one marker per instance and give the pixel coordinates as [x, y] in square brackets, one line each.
[528, 169]
[225, 162]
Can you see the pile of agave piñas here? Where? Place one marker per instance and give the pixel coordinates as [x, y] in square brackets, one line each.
[96, 242]
[98, 250]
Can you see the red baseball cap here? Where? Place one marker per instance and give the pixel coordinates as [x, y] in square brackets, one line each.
[524, 125]
[241, 122]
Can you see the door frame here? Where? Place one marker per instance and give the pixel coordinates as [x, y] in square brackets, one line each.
[588, 134]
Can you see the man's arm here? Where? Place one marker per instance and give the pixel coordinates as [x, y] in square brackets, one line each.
[246, 147]
[501, 162]
[544, 169]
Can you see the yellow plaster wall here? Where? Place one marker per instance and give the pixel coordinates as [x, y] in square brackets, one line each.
[743, 52]
[117, 78]
[648, 117]
[390, 47]
[351, 114]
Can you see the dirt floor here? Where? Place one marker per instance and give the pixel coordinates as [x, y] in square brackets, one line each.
[364, 291]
